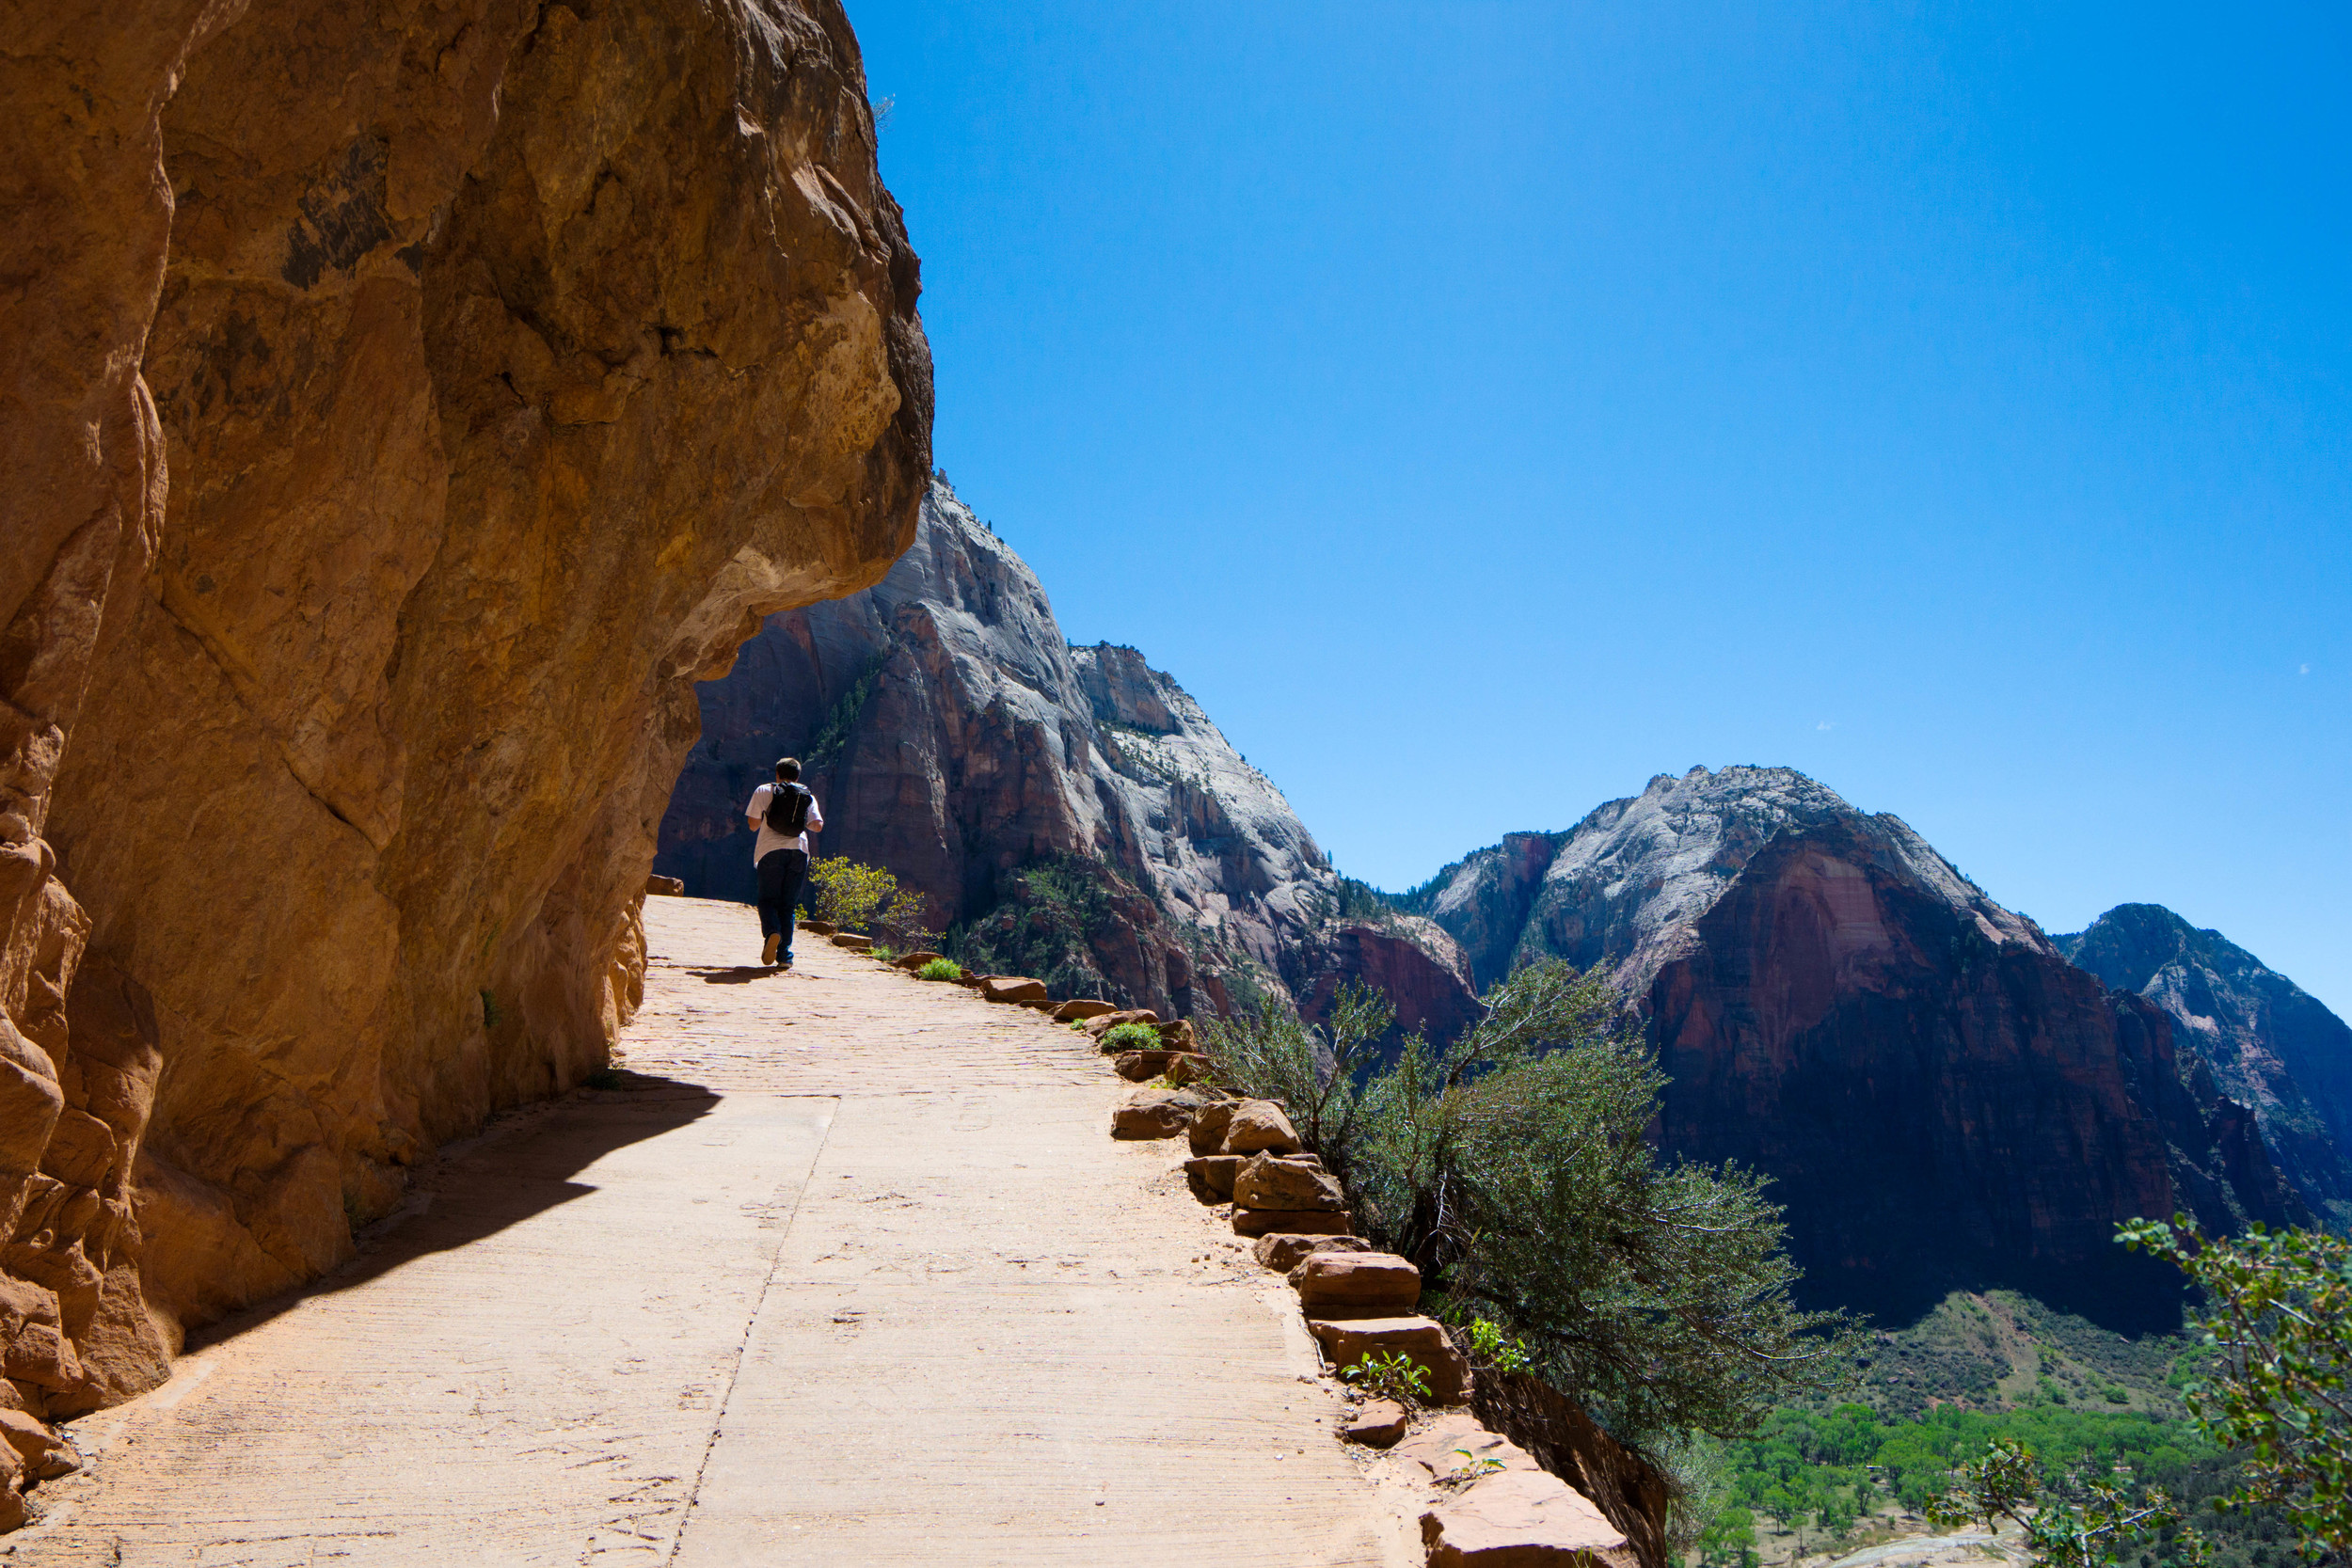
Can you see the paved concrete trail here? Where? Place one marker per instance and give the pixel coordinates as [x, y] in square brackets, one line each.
[851, 1272]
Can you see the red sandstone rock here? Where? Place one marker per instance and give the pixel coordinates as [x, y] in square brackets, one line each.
[664, 887]
[1377, 1424]
[1302, 1222]
[1355, 1284]
[1284, 1251]
[912, 961]
[446, 315]
[1270, 1181]
[1839, 1008]
[1210, 1177]
[1153, 1114]
[1071, 1012]
[1013, 987]
[1423, 1339]
[1521, 1519]
[1259, 1125]
[855, 942]
[1102, 1023]
[990, 765]
[1208, 1129]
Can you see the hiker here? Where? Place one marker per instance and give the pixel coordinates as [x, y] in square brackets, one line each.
[786, 814]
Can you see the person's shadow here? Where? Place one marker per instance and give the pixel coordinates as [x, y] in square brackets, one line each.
[737, 975]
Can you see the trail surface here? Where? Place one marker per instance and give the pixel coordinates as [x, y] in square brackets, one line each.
[848, 1273]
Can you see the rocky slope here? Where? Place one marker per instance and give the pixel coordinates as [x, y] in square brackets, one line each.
[1071, 810]
[1941, 1099]
[2268, 1044]
[409, 402]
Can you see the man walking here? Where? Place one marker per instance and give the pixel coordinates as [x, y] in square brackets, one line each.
[786, 814]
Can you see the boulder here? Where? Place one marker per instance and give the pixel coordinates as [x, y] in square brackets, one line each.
[1347, 1342]
[1302, 1222]
[818, 927]
[1178, 1066]
[1042, 1004]
[1259, 1126]
[664, 887]
[1011, 987]
[1355, 1284]
[1211, 1175]
[45, 1455]
[1284, 1250]
[1178, 1036]
[912, 961]
[1270, 1181]
[1102, 1022]
[1521, 1519]
[1153, 1114]
[1377, 1424]
[852, 941]
[1073, 1012]
[1208, 1128]
[1458, 1440]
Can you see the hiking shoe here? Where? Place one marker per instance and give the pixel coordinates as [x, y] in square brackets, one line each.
[768, 949]
[785, 959]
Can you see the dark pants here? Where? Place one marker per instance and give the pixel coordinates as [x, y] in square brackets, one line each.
[781, 872]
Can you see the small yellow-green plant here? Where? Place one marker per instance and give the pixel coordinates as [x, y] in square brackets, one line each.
[1397, 1377]
[1491, 1347]
[940, 969]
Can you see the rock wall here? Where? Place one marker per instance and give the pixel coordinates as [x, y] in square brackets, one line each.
[1072, 810]
[508, 363]
[1941, 1099]
[2268, 1044]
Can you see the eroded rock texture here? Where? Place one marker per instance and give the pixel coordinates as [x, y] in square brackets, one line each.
[2269, 1043]
[1073, 809]
[1941, 1099]
[508, 363]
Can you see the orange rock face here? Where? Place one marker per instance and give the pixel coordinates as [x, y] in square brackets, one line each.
[407, 404]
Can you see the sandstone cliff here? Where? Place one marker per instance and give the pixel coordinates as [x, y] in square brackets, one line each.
[1942, 1100]
[2268, 1044]
[1072, 811]
[507, 363]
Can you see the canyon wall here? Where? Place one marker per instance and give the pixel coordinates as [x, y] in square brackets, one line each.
[1942, 1100]
[1070, 811]
[412, 403]
[2268, 1044]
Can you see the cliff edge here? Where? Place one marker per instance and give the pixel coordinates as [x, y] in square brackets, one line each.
[411, 401]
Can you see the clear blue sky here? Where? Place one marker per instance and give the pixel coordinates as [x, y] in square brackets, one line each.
[1482, 408]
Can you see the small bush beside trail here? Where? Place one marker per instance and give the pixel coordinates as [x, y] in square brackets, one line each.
[1131, 1036]
[940, 969]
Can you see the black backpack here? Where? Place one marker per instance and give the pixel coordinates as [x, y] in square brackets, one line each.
[787, 810]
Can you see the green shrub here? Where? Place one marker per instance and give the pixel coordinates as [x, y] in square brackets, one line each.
[856, 898]
[1131, 1036]
[940, 969]
[1512, 1169]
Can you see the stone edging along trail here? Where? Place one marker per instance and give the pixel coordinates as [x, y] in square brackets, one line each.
[1486, 1501]
[844, 1272]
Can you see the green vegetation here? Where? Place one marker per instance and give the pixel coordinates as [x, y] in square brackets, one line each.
[833, 736]
[940, 969]
[1397, 1377]
[1512, 1168]
[1043, 924]
[1348, 899]
[2277, 1320]
[1131, 1036]
[2069, 1521]
[860, 898]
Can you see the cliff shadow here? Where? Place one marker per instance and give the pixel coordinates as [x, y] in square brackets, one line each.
[517, 1169]
[2128, 1293]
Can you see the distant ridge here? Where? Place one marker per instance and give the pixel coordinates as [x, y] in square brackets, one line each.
[2267, 1041]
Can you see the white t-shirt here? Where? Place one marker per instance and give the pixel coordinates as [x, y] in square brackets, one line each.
[770, 839]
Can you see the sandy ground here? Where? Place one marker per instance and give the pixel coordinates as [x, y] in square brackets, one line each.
[849, 1273]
